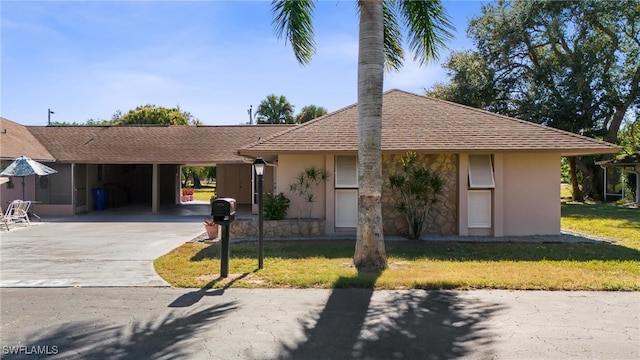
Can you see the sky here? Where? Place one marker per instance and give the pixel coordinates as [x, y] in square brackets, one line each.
[88, 59]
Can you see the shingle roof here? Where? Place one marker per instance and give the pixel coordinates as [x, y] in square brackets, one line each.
[150, 144]
[419, 123]
[16, 141]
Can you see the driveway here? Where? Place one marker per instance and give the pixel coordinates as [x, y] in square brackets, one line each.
[107, 248]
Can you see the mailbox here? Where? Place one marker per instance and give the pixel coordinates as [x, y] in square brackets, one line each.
[223, 210]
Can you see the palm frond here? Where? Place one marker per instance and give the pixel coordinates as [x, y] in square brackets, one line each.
[429, 28]
[393, 52]
[293, 21]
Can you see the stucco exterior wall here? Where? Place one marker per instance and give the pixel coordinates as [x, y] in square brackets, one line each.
[15, 193]
[525, 200]
[289, 166]
[531, 195]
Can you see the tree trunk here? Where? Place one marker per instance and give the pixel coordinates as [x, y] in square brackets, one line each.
[576, 194]
[370, 250]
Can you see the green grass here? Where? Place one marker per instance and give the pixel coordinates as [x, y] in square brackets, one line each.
[204, 193]
[565, 191]
[424, 265]
[412, 265]
[609, 221]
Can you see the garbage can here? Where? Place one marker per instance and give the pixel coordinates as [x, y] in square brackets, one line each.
[99, 198]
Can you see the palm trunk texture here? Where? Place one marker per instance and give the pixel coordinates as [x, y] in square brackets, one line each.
[370, 250]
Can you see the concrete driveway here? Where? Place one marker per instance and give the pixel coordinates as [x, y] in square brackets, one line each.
[107, 248]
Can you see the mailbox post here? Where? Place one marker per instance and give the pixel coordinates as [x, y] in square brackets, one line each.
[223, 211]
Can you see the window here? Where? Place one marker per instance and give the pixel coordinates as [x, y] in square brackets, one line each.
[346, 184]
[346, 172]
[481, 172]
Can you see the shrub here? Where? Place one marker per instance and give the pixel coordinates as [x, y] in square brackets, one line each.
[306, 183]
[416, 191]
[275, 206]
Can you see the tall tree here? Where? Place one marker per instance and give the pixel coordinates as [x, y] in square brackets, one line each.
[472, 83]
[573, 65]
[380, 45]
[310, 112]
[157, 115]
[275, 110]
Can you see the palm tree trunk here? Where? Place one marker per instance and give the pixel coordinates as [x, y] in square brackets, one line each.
[370, 251]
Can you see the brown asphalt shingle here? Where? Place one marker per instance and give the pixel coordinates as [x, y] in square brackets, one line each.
[419, 123]
[150, 144]
[16, 141]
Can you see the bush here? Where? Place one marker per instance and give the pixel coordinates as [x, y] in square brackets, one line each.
[416, 191]
[275, 206]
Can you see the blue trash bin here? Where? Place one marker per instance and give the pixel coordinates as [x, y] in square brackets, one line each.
[99, 198]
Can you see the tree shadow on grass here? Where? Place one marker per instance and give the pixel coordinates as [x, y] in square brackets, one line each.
[601, 211]
[359, 323]
[440, 250]
[165, 337]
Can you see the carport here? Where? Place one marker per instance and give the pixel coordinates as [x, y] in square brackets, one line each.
[141, 164]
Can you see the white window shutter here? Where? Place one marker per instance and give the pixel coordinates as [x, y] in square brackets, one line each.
[479, 208]
[481, 172]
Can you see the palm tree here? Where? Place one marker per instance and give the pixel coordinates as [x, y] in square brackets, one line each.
[275, 110]
[380, 35]
[310, 112]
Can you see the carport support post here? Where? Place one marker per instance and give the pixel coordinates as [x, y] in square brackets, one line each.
[155, 193]
[224, 252]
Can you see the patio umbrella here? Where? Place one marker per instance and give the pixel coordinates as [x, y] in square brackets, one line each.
[24, 166]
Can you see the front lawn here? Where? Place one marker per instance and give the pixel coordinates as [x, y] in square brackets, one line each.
[609, 221]
[422, 265]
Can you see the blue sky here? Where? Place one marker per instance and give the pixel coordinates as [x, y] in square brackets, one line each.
[88, 59]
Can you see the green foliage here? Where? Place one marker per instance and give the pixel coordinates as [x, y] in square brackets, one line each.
[629, 135]
[310, 112]
[275, 110]
[416, 189]
[156, 115]
[306, 183]
[425, 24]
[196, 173]
[144, 115]
[472, 82]
[275, 206]
[572, 65]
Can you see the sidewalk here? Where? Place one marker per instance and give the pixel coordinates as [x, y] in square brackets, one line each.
[165, 323]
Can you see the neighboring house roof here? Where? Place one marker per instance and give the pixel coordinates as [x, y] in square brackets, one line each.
[629, 160]
[420, 123]
[150, 144]
[16, 141]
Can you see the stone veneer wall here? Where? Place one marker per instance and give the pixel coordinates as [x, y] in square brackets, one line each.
[443, 219]
[287, 228]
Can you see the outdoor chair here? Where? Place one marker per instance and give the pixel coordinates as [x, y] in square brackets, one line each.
[18, 212]
[4, 220]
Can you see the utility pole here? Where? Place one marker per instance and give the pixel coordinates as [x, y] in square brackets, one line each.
[250, 111]
[49, 112]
